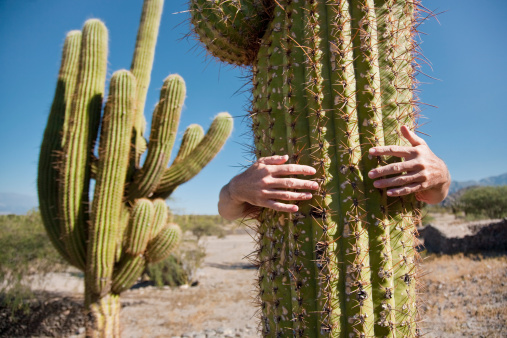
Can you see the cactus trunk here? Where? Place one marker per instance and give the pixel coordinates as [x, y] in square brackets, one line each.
[127, 225]
[331, 79]
[103, 316]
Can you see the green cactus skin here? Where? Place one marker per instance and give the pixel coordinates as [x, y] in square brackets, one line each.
[331, 79]
[78, 141]
[186, 166]
[126, 226]
[142, 63]
[52, 143]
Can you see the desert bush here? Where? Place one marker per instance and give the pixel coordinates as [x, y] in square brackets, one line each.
[202, 225]
[483, 201]
[180, 267]
[25, 249]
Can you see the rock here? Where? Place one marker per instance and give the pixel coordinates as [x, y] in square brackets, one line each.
[489, 236]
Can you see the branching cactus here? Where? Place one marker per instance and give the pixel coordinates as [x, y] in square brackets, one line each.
[331, 79]
[126, 224]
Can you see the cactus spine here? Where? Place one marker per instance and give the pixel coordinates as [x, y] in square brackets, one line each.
[331, 79]
[126, 226]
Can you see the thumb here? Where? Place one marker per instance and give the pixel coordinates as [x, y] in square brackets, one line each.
[273, 160]
[412, 137]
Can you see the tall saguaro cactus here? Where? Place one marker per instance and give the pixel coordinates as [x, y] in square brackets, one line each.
[331, 79]
[126, 225]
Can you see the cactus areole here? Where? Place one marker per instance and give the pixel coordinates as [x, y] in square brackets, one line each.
[126, 226]
[330, 80]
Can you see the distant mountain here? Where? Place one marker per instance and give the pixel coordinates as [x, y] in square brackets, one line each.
[489, 181]
[14, 203]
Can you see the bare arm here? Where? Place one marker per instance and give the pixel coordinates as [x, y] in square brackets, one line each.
[264, 184]
[422, 172]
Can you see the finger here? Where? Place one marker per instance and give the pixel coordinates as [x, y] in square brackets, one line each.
[405, 190]
[398, 181]
[292, 169]
[412, 137]
[274, 160]
[293, 183]
[286, 195]
[278, 206]
[393, 168]
[398, 151]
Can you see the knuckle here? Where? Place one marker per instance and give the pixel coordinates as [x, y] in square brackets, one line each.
[290, 183]
[265, 182]
[402, 180]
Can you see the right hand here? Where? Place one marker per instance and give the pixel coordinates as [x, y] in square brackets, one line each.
[264, 184]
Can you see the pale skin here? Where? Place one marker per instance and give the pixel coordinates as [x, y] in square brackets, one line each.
[267, 183]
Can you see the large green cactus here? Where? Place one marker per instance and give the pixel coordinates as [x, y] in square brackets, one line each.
[331, 79]
[126, 225]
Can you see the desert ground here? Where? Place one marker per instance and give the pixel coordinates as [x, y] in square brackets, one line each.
[460, 296]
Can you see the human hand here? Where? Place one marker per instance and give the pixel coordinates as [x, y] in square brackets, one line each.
[263, 184]
[422, 172]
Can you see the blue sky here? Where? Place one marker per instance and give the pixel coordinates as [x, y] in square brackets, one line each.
[467, 49]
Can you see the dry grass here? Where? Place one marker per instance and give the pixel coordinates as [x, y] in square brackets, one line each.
[464, 296]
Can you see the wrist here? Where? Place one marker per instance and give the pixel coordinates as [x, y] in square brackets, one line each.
[437, 193]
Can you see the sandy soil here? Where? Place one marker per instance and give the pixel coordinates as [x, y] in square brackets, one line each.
[461, 296]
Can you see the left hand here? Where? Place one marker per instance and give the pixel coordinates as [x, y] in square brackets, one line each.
[422, 172]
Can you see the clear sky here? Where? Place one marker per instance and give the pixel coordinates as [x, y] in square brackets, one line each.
[467, 49]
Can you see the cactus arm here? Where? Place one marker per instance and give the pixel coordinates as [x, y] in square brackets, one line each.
[127, 273]
[323, 226]
[396, 44]
[160, 217]
[279, 298]
[371, 128]
[299, 137]
[163, 133]
[163, 243]
[114, 148]
[230, 30]
[136, 238]
[192, 164]
[138, 231]
[79, 141]
[148, 220]
[352, 248]
[142, 63]
[51, 147]
[191, 138]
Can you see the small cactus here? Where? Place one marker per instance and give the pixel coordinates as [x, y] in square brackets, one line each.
[331, 79]
[126, 226]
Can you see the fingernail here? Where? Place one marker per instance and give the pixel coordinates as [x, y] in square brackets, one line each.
[372, 150]
[315, 185]
[308, 195]
[390, 193]
[312, 171]
[376, 184]
[371, 174]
